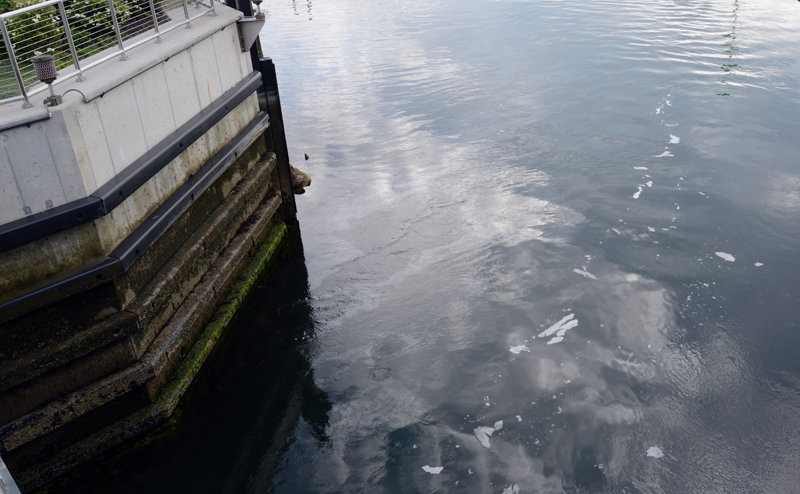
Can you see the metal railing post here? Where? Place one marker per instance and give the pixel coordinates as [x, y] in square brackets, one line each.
[155, 21]
[71, 43]
[13, 58]
[213, 9]
[123, 56]
[186, 13]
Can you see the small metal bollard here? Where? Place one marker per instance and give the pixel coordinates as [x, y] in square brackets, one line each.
[7, 484]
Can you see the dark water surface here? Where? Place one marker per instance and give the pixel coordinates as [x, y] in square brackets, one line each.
[483, 171]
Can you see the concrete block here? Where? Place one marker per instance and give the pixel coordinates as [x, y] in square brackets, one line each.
[36, 260]
[70, 248]
[70, 117]
[165, 181]
[141, 203]
[39, 392]
[39, 341]
[125, 136]
[182, 87]
[94, 138]
[157, 301]
[123, 220]
[61, 148]
[10, 198]
[34, 168]
[155, 105]
[245, 63]
[193, 158]
[206, 74]
[229, 65]
[113, 228]
[51, 372]
[221, 133]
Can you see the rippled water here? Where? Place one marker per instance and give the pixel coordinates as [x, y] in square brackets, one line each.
[580, 219]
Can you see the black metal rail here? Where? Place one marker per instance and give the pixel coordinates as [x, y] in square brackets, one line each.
[113, 193]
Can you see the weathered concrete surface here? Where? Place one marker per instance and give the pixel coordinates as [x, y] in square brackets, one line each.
[134, 281]
[158, 301]
[72, 319]
[50, 338]
[50, 372]
[215, 251]
[260, 257]
[77, 246]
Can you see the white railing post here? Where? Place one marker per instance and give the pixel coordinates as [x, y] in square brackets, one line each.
[122, 56]
[70, 41]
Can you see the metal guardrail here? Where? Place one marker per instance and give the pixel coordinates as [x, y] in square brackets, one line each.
[80, 35]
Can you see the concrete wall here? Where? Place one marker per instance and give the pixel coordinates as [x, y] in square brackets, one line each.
[83, 146]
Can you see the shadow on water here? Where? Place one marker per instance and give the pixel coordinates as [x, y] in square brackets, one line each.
[238, 418]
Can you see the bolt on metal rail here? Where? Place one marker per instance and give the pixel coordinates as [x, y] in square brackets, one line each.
[81, 36]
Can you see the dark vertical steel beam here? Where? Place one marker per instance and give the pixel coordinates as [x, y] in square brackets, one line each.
[278, 135]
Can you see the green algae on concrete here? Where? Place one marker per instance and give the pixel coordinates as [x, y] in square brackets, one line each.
[160, 410]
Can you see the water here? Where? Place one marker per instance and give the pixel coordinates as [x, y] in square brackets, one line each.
[483, 171]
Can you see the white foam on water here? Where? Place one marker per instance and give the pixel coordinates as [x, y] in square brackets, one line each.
[555, 339]
[483, 433]
[759, 264]
[571, 324]
[640, 168]
[701, 193]
[584, 273]
[638, 192]
[668, 102]
[651, 229]
[433, 470]
[677, 206]
[674, 139]
[555, 327]
[519, 348]
[665, 154]
[616, 231]
[647, 176]
[655, 452]
[658, 110]
[671, 125]
[649, 183]
[519, 419]
[725, 256]
[511, 489]
[415, 446]
[498, 425]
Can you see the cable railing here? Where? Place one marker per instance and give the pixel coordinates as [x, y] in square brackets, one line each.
[80, 35]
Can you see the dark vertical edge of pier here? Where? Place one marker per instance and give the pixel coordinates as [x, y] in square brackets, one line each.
[270, 101]
[278, 136]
